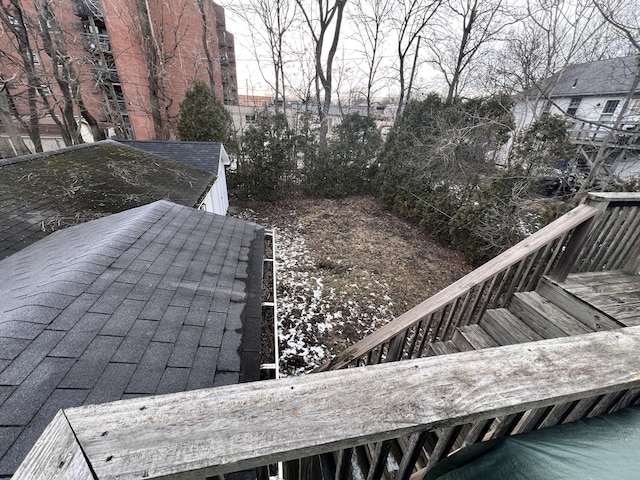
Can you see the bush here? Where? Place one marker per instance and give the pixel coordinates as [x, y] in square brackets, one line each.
[268, 158]
[345, 166]
[203, 118]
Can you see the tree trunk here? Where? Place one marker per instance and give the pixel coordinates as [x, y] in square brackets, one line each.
[151, 60]
[6, 119]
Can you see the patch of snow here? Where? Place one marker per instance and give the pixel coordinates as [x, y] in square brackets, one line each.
[312, 312]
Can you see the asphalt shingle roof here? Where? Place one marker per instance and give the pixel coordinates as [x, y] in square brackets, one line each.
[157, 299]
[45, 192]
[203, 155]
[613, 76]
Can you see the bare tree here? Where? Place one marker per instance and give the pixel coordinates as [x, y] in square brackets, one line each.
[6, 119]
[324, 21]
[13, 20]
[410, 19]
[269, 21]
[548, 36]
[205, 41]
[464, 29]
[161, 29]
[65, 74]
[371, 22]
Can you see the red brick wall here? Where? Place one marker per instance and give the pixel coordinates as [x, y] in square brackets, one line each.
[177, 26]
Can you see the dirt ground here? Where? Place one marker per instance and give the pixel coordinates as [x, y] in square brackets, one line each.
[346, 266]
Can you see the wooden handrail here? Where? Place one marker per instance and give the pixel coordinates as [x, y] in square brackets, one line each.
[191, 435]
[540, 239]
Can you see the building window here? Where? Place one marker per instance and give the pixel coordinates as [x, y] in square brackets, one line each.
[610, 106]
[607, 111]
[573, 106]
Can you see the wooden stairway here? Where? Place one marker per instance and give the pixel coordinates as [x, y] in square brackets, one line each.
[584, 303]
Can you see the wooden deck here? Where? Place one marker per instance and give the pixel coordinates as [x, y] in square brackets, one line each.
[615, 294]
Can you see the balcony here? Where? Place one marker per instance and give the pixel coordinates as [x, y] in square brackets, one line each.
[97, 42]
[102, 75]
[88, 9]
[595, 133]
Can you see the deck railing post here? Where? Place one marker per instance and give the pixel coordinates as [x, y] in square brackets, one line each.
[632, 265]
[580, 237]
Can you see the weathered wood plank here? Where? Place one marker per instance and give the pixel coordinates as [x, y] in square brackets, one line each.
[544, 317]
[55, 456]
[614, 297]
[623, 250]
[477, 337]
[627, 314]
[213, 431]
[506, 329]
[592, 317]
[618, 197]
[579, 240]
[442, 348]
[460, 342]
[598, 282]
[512, 256]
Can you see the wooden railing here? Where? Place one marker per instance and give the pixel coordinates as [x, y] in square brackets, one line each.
[602, 233]
[589, 133]
[410, 413]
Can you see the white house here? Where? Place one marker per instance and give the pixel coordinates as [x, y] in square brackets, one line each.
[598, 102]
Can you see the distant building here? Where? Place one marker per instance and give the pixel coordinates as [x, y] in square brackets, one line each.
[591, 97]
[133, 63]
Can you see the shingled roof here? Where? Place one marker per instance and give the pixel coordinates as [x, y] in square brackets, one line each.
[204, 155]
[157, 299]
[45, 192]
[613, 76]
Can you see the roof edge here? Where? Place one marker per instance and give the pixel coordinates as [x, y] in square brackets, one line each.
[49, 153]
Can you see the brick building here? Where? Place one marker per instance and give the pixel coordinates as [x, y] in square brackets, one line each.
[124, 64]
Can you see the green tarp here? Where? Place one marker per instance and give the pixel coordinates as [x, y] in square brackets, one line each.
[606, 447]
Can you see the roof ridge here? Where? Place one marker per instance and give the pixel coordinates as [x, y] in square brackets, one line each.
[49, 153]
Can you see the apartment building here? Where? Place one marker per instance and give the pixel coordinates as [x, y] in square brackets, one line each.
[115, 68]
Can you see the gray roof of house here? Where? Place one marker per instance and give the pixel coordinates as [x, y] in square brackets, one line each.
[157, 299]
[204, 155]
[45, 192]
[604, 77]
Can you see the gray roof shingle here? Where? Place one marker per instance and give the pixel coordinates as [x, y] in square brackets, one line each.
[612, 76]
[45, 192]
[136, 303]
[203, 155]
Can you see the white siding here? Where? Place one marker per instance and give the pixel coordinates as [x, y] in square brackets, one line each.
[217, 199]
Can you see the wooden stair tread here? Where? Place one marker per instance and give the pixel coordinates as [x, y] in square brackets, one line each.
[461, 342]
[590, 315]
[506, 328]
[476, 337]
[544, 317]
[442, 348]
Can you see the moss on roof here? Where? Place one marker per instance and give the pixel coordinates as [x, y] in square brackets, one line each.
[56, 189]
[105, 177]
